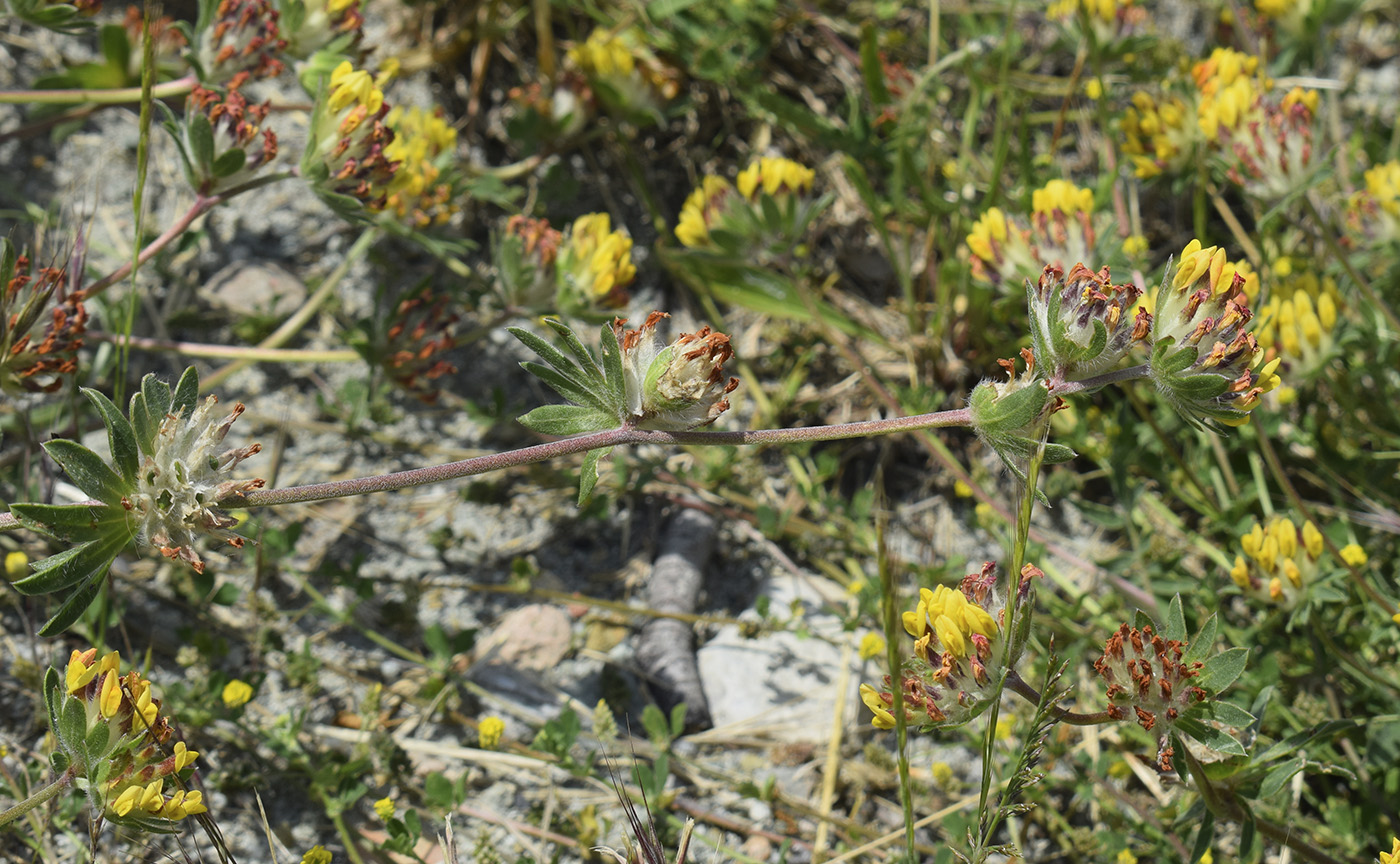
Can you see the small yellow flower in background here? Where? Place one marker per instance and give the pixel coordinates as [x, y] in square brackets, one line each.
[702, 210]
[423, 143]
[1354, 555]
[1094, 89]
[871, 645]
[1134, 245]
[1064, 196]
[1280, 561]
[1373, 214]
[775, 177]
[942, 774]
[236, 693]
[4, 751]
[1004, 727]
[1126, 857]
[1061, 233]
[384, 808]
[16, 565]
[489, 732]
[1393, 856]
[961, 489]
[1207, 858]
[316, 855]
[856, 586]
[595, 264]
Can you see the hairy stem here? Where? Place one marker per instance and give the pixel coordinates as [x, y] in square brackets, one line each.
[119, 96]
[202, 204]
[1018, 685]
[43, 795]
[592, 441]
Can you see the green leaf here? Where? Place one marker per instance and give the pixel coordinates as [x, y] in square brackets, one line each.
[85, 561]
[72, 726]
[1204, 836]
[1221, 670]
[1174, 626]
[567, 420]
[584, 358]
[228, 163]
[200, 135]
[1229, 714]
[588, 475]
[51, 695]
[1277, 776]
[116, 47]
[96, 743]
[1216, 739]
[121, 438]
[186, 396]
[1299, 739]
[612, 368]
[74, 523]
[566, 386]
[1202, 644]
[157, 395]
[87, 471]
[871, 68]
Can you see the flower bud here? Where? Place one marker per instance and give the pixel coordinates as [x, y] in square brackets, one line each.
[1082, 324]
[111, 734]
[678, 387]
[313, 25]
[41, 325]
[524, 255]
[1202, 356]
[1012, 417]
[422, 330]
[1145, 674]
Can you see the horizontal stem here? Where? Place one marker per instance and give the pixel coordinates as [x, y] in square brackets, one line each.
[232, 352]
[1019, 686]
[40, 797]
[592, 441]
[118, 96]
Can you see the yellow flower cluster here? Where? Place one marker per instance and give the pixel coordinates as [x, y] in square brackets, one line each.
[953, 618]
[1393, 856]
[422, 139]
[596, 261]
[133, 764]
[1061, 234]
[1281, 560]
[1064, 196]
[1156, 134]
[1299, 326]
[489, 732]
[1374, 213]
[627, 70]
[351, 138]
[701, 209]
[775, 177]
[1228, 90]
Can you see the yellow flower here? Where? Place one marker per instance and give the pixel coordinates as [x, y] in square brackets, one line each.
[384, 808]
[883, 719]
[422, 139]
[1134, 245]
[16, 565]
[597, 260]
[701, 210]
[1393, 856]
[1064, 196]
[1093, 88]
[1354, 555]
[354, 86]
[961, 489]
[942, 774]
[316, 855]
[489, 732]
[871, 645]
[237, 693]
[775, 177]
[987, 234]
[1126, 857]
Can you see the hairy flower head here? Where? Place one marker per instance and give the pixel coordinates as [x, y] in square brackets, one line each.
[677, 386]
[1081, 323]
[241, 40]
[42, 322]
[1146, 676]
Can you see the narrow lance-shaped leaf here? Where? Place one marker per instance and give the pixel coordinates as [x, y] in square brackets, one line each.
[87, 471]
[121, 438]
